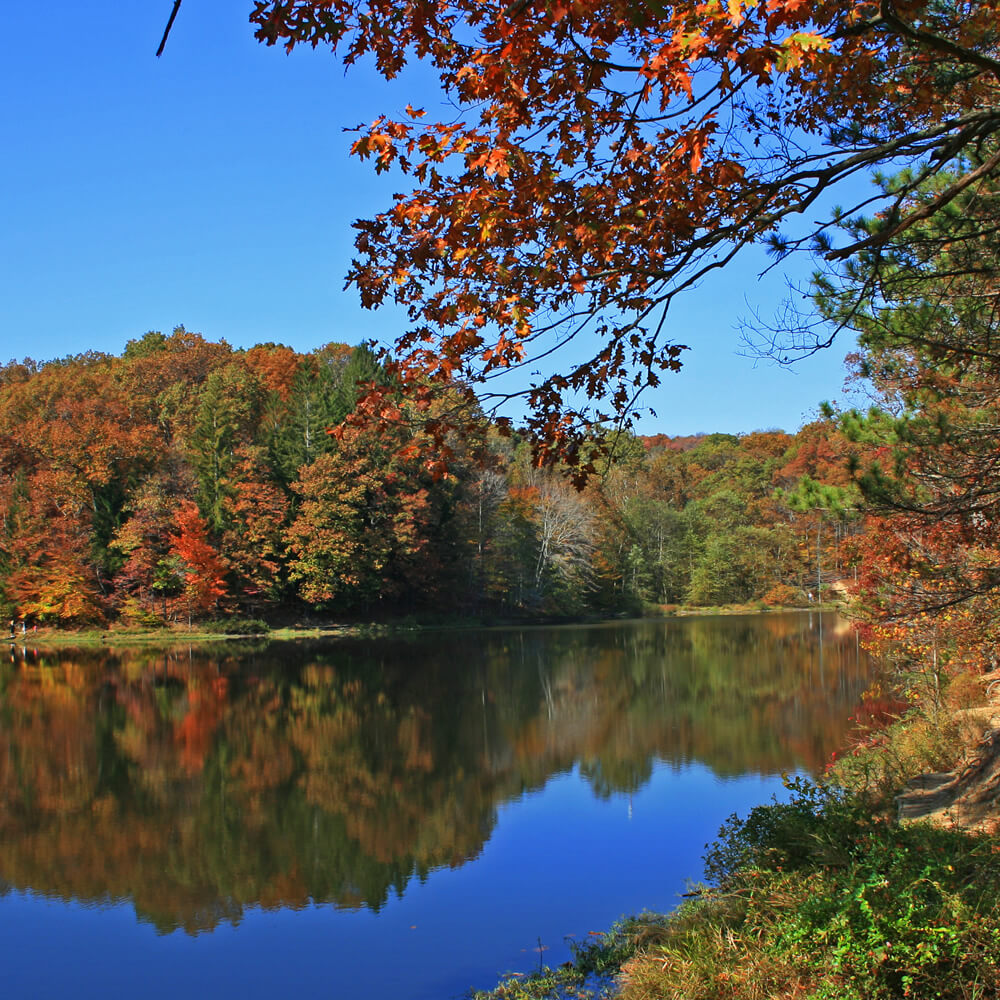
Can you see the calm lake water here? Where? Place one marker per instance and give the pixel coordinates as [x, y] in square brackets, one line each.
[401, 818]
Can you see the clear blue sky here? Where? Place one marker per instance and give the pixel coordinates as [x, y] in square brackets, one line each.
[213, 187]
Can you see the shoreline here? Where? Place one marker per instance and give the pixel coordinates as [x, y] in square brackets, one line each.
[864, 885]
[170, 635]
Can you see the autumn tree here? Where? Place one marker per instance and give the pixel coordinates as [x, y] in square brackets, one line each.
[146, 575]
[601, 157]
[367, 513]
[45, 547]
[256, 514]
[275, 366]
[202, 568]
[162, 376]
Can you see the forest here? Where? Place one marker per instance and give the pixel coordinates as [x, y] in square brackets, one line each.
[188, 480]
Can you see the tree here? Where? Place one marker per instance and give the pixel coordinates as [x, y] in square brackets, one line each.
[315, 401]
[202, 568]
[607, 155]
[927, 313]
[226, 417]
[143, 542]
[256, 512]
[563, 571]
[366, 515]
[49, 574]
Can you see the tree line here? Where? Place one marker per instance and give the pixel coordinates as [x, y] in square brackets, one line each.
[185, 479]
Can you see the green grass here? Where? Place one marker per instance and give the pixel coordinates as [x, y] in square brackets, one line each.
[817, 898]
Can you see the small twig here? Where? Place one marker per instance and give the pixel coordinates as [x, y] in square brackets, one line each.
[166, 31]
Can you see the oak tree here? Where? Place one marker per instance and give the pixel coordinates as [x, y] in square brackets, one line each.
[598, 157]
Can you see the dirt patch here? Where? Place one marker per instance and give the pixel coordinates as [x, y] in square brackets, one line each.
[968, 796]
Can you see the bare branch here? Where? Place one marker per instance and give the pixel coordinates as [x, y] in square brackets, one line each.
[166, 31]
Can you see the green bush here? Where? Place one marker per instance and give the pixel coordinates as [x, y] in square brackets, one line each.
[134, 613]
[238, 626]
[812, 826]
[856, 905]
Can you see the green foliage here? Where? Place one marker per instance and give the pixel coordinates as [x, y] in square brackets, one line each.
[811, 495]
[227, 411]
[818, 898]
[135, 613]
[298, 435]
[150, 343]
[789, 836]
[726, 571]
[362, 367]
[237, 626]
[324, 391]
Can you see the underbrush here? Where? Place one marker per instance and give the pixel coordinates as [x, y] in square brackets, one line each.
[237, 626]
[816, 898]
[819, 898]
[935, 734]
[882, 761]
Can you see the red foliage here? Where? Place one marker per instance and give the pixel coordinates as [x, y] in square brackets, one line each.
[204, 569]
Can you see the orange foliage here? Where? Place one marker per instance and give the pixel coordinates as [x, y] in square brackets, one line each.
[204, 568]
[607, 155]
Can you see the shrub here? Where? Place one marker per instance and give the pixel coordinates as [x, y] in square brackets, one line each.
[238, 626]
[965, 690]
[134, 613]
[883, 760]
[817, 898]
[781, 595]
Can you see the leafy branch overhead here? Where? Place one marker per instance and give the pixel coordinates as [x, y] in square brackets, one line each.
[598, 157]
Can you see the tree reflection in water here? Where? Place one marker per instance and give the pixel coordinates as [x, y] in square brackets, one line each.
[197, 782]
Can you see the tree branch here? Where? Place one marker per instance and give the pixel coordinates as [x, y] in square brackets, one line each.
[166, 31]
[936, 42]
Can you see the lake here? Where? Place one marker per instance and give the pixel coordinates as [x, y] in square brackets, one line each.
[398, 818]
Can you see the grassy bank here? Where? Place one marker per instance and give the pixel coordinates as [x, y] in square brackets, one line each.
[125, 635]
[824, 896]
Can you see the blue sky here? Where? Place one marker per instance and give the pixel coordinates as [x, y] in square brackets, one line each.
[213, 187]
